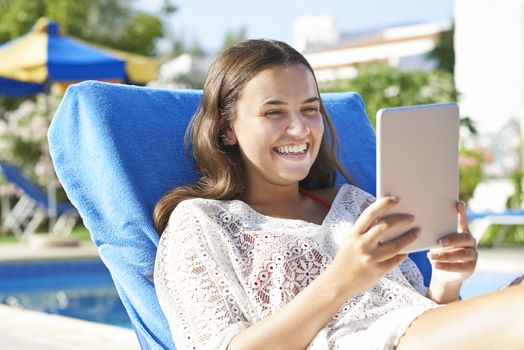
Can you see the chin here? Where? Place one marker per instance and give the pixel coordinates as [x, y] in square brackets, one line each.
[296, 177]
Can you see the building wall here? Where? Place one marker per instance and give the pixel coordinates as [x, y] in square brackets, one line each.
[404, 47]
[489, 45]
[489, 74]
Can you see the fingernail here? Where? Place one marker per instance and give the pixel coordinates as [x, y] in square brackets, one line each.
[443, 241]
[395, 198]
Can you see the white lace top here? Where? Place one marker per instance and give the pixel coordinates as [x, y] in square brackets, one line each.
[221, 266]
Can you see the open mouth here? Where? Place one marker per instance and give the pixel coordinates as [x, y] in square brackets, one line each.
[290, 150]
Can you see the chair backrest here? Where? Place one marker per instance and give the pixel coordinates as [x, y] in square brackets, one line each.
[117, 149]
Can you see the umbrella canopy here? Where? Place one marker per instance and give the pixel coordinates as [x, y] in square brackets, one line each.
[45, 55]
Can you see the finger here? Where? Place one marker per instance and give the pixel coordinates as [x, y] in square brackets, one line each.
[393, 221]
[373, 213]
[456, 266]
[462, 217]
[453, 255]
[388, 250]
[464, 239]
[393, 261]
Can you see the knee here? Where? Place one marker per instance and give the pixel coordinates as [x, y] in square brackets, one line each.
[519, 289]
[517, 281]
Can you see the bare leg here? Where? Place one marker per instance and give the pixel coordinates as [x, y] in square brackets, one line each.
[491, 321]
[518, 280]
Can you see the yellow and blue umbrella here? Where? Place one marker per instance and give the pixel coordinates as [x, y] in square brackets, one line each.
[44, 56]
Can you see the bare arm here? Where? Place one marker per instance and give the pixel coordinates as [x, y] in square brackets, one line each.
[360, 262]
[453, 262]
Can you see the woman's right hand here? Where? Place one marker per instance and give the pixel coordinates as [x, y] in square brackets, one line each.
[362, 259]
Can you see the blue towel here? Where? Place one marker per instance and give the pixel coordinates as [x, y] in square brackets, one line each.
[117, 149]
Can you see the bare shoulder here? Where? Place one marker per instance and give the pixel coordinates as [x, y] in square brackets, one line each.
[327, 193]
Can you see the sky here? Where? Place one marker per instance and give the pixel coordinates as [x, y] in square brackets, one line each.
[208, 21]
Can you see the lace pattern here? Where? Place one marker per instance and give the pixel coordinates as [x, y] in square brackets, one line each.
[221, 267]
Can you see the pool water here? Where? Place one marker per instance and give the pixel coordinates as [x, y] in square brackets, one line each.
[482, 282]
[79, 288]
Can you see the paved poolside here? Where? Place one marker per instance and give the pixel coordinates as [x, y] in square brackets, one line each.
[506, 260]
[30, 330]
[22, 252]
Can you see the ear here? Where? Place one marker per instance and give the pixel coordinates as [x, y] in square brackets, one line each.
[231, 138]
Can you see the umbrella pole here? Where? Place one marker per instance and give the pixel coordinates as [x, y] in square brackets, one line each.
[51, 188]
[51, 195]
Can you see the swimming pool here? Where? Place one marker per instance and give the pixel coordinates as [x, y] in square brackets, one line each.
[76, 288]
[482, 282]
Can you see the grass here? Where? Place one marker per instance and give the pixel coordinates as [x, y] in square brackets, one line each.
[79, 232]
[7, 238]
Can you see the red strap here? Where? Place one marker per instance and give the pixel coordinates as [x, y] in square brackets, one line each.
[315, 198]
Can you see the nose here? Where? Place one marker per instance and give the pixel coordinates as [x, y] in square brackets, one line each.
[298, 125]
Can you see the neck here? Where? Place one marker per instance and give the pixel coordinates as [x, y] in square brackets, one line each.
[262, 194]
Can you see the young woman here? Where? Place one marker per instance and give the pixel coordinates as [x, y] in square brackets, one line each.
[251, 257]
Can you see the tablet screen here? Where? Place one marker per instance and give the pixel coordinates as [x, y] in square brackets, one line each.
[417, 160]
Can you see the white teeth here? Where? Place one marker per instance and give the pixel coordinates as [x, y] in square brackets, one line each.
[292, 149]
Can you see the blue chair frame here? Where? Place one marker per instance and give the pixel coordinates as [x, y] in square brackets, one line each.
[33, 207]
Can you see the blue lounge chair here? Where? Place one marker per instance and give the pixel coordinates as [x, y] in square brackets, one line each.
[117, 149]
[480, 221]
[33, 207]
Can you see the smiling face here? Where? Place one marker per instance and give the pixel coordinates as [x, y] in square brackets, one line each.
[278, 125]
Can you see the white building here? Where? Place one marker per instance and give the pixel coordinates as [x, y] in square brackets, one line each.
[489, 74]
[405, 47]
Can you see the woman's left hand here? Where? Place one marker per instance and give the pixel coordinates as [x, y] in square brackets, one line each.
[454, 261]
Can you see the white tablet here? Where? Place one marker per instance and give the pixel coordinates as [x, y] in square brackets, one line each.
[417, 160]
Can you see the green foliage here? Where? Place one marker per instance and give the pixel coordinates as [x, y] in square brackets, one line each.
[444, 51]
[468, 123]
[234, 37]
[110, 23]
[470, 172]
[515, 200]
[382, 86]
[499, 235]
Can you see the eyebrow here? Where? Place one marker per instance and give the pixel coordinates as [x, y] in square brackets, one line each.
[279, 102]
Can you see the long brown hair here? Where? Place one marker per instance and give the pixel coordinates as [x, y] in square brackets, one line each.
[219, 165]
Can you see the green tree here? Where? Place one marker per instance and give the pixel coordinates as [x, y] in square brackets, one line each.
[110, 23]
[470, 174]
[382, 86]
[444, 51]
[234, 37]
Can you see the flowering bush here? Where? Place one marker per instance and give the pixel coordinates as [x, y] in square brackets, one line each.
[23, 139]
[471, 162]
